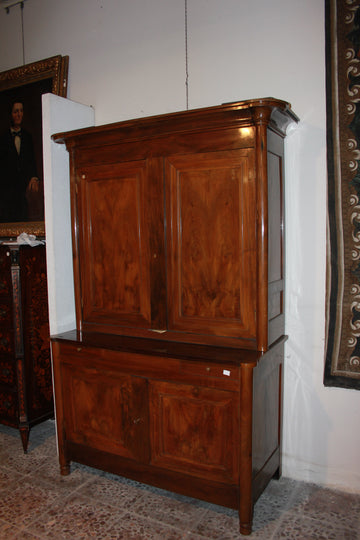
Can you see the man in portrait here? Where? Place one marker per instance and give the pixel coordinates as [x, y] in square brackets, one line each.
[18, 176]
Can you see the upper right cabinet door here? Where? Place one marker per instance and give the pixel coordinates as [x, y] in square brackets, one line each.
[211, 243]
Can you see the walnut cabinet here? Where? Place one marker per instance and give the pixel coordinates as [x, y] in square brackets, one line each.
[173, 375]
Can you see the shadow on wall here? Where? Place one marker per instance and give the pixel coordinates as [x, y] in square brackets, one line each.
[306, 423]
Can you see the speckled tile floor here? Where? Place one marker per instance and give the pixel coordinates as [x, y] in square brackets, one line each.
[38, 503]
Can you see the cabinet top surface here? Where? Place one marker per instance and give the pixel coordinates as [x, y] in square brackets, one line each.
[158, 347]
[271, 111]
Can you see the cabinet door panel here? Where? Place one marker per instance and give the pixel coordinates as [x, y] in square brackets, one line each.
[195, 430]
[212, 244]
[114, 240]
[106, 410]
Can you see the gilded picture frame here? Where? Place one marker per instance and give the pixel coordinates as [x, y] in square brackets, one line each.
[27, 83]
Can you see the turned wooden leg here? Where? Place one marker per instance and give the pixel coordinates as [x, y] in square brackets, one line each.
[24, 434]
[65, 469]
[64, 464]
[246, 521]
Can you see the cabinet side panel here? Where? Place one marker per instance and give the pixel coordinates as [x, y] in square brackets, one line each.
[267, 417]
[276, 232]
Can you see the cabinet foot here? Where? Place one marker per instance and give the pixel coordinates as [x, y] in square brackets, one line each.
[24, 434]
[277, 474]
[65, 469]
[246, 517]
[245, 528]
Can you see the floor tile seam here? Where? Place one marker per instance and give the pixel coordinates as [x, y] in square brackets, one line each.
[163, 523]
[294, 496]
[3, 522]
[11, 470]
[47, 482]
[272, 525]
[46, 453]
[96, 502]
[31, 529]
[288, 502]
[34, 534]
[252, 536]
[322, 517]
[96, 498]
[279, 524]
[18, 529]
[194, 523]
[10, 467]
[191, 523]
[141, 498]
[67, 497]
[295, 515]
[60, 498]
[269, 503]
[41, 482]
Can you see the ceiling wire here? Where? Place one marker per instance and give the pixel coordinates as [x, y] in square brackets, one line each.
[186, 58]
[7, 6]
[22, 30]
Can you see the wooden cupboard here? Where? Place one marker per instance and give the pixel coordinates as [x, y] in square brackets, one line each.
[26, 396]
[173, 374]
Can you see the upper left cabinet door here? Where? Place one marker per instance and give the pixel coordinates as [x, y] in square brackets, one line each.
[117, 223]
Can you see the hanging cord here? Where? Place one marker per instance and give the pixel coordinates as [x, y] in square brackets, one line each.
[7, 9]
[22, 31]
[186, 58]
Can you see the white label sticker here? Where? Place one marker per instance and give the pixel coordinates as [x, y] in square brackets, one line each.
[226, 372]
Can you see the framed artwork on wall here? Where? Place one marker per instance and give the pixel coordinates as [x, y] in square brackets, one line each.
[21, 157]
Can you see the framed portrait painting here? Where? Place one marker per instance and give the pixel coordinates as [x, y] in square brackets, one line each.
[21, 154]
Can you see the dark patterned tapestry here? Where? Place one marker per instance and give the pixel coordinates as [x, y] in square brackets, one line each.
[342, 362]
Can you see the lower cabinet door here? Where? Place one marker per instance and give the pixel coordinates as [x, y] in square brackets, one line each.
[195, 430]
[106, 411]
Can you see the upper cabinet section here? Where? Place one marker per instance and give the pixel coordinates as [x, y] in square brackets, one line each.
[178, 224]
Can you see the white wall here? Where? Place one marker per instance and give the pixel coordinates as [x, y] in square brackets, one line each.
[127, 59]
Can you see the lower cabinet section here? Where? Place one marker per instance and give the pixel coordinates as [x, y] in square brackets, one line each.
[197, 420]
